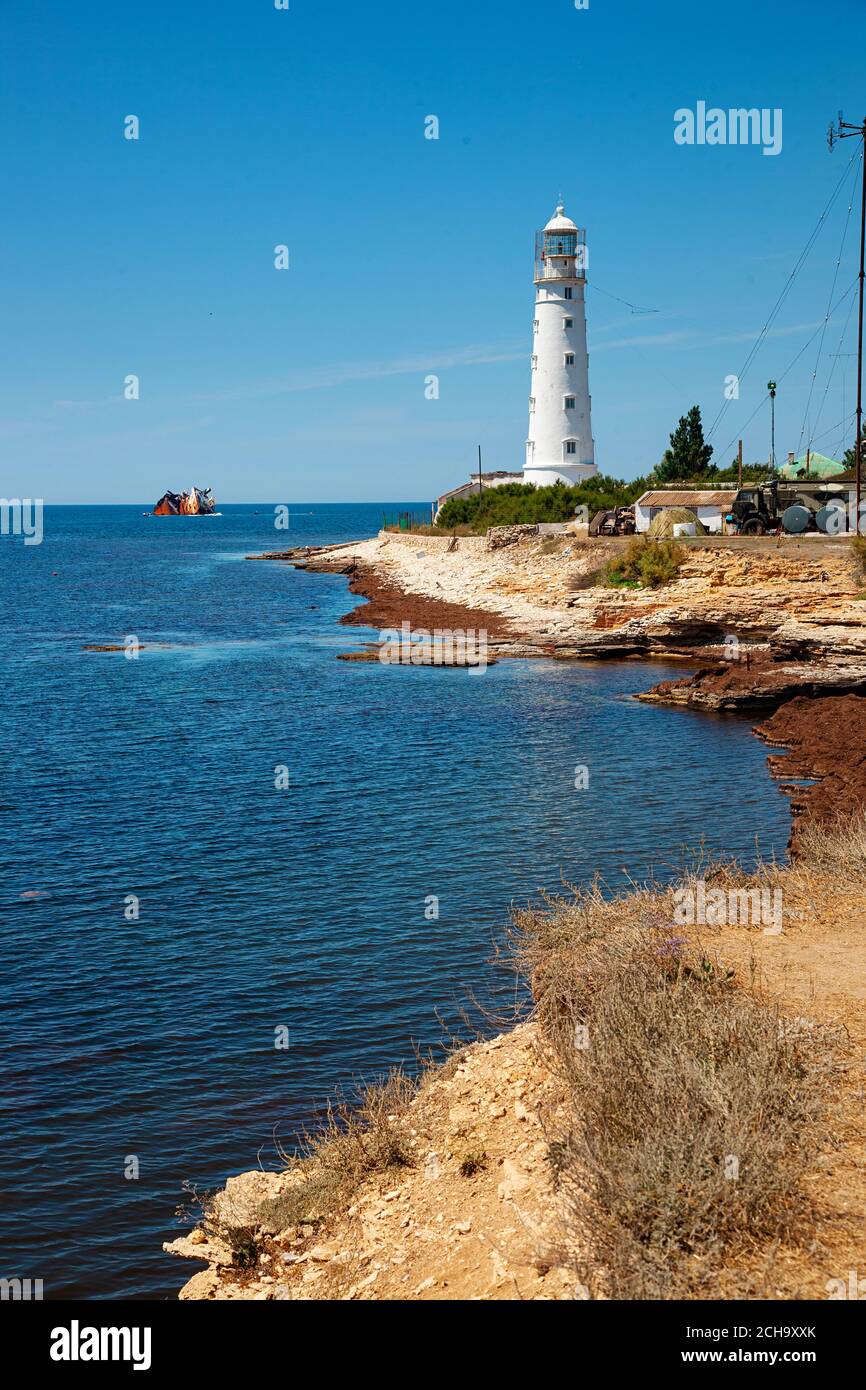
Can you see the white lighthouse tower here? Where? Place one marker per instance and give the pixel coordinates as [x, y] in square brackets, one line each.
[559, 445]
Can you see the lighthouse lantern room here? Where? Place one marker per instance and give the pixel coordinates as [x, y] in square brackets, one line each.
[559, 445]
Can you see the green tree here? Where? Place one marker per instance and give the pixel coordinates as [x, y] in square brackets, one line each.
[688, 455]
[752, 472]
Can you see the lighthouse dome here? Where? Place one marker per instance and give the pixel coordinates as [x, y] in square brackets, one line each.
[559, 222]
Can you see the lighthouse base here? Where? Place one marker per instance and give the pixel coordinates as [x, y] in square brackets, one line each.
[568, 473]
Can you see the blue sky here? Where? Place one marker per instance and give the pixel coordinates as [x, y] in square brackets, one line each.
[409, 256]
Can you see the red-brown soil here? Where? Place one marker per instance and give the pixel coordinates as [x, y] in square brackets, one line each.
[827, 741]
[388, 606]
[755, 682]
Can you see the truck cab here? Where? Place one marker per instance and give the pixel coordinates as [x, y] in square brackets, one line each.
[754, 509]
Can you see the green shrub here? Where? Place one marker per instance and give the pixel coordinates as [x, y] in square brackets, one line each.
[517, 504]
[473, 1162]
[612, 578]
[644, 564]
[660, 563]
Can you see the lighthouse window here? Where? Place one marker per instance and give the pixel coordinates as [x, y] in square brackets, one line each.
[535, 325]
[569, 402]
[570, 447]
[534, 363]
[568, 323]
[568, 291]
[531, 403]
[569, 359]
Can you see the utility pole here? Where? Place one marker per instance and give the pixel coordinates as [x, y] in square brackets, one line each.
[480, 479]
[771, 387]
[739, 465]
[844, 131]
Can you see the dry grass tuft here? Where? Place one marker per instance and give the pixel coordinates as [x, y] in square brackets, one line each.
[694, 1108]
[835, 847]
[355, 1139]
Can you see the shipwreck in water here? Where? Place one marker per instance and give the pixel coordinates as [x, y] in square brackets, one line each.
[199, 501]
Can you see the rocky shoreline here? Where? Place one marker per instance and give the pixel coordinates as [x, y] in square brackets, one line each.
[825, 743]
[464, 1216]
[776, 629]
[474, 1188]
[470, 1207]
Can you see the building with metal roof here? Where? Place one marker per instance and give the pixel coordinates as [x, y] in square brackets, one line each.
[710, 505]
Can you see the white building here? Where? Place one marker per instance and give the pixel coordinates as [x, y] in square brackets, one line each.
[478, 482]
[559, 445]
[709, 506]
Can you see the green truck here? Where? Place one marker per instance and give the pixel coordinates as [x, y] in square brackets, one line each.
[794, 507]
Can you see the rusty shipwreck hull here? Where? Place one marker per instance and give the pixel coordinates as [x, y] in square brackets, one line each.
[198, 501]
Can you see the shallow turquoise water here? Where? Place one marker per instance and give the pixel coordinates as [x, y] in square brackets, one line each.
[260, 908]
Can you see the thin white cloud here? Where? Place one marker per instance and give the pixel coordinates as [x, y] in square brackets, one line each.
[338, 374]
[675, 335]
[751, 336]
[476, 355]
[695, 339]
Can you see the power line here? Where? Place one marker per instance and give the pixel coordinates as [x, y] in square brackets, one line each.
[742, 430]
[833, 428]
[836, 356]
[789, 368]
[635, 308]
[826, 321]
[801, 259]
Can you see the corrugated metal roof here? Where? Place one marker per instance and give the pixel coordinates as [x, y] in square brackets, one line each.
[820, 466]
[695, 498]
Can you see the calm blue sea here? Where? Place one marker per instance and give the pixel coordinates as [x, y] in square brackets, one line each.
[263, 908]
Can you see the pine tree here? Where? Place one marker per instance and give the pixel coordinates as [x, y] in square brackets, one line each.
[688, 455]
